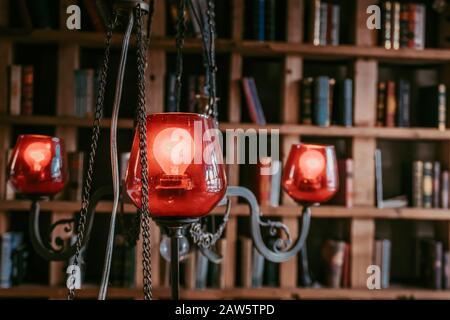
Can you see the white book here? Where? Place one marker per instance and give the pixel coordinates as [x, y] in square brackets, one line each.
[419, 30]
[15, 89]
[276, 184]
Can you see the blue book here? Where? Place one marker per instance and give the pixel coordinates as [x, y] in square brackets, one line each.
[345, 114]
[321, 101]
[403, 103]
[6, 260]
[260, 23]
[257, 102]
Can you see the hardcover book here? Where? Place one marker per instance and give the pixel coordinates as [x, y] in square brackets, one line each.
[14, 89]
[321, 101]
[27, 90]
[306, 99]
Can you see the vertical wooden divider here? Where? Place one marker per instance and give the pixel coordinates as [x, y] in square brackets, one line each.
[293, 72]
[362, 231]
[6, 54]
[68, 62]
[228, 271]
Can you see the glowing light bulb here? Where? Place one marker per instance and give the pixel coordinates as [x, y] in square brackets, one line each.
[37, 155]
[312, 164]
[173, 149]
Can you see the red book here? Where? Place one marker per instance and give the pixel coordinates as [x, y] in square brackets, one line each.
[346, 267]
[391, 104]
[96, 19]
[264, 181]
[27, 90]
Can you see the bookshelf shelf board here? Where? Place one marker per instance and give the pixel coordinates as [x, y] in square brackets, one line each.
[285, 129]
[246, 47]
[90, 292]
[105, 207]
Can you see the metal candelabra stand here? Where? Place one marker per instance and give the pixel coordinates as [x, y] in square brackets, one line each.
[132, 13]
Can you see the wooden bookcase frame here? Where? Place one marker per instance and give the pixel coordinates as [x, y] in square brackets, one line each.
[363, 54]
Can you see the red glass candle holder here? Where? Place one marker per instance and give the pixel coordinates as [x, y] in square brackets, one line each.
[185, 166]
[310, 174]
[38, 165]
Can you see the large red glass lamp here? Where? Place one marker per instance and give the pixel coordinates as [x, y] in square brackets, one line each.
[185, 170]
[186, 175]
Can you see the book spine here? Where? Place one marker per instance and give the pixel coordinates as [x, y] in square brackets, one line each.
[404, 25]
[437, 265]
[436, 184]
[264, 182]
[27, 90]
[403, 104]
[261, 120]
[331, 89]
[321, 101]
[246, 261]
[171, 103]
[346, 103]
[385, 264]
[396, 25]
[5, 260]
[442, 106]
[270, 20]
[15, 89]
[323, 23]
[417, 192]
[427, 184]
[333, 253]
[275, 191]
[307, 95]
[260, 23]
[335, 24]
[315, 22]
[249, 99]
[419, 31]
[446, 271]
[412, 22]
[381, 104]
[391, 104]
[378, 178]
[75, 165]
[90, 101]
[345, 283]
[387, 33]
[445, 189]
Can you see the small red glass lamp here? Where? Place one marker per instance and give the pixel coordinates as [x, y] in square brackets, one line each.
[37, 167]
[38, 170]
[186, 175]
[310, 175]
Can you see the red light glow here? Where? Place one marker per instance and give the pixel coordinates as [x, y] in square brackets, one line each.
[37, 155]
[312, 163]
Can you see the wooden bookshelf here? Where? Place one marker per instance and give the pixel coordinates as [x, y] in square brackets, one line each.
[364, 57]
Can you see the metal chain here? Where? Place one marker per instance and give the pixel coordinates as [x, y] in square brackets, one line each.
[212, 111]
[93, 150]
[142, 127]
[181, 30]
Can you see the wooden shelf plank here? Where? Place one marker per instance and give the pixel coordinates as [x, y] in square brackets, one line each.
[35, 291]
[286, 211]
[285, 129]
[246, 47]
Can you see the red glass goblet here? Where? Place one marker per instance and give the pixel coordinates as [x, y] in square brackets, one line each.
[310, 174]
[38, 165]
[185, 166]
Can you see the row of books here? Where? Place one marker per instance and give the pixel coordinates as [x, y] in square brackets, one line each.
[403, 25]
[194, 89]
[336, 263]
[325, 20]
[325, 101]
[430, 186]
[86, 85]
[253, 101]
[263, 20]
[432, 264]
[20, 89]
[382, 258]
[394, 105]
[43, 14]
[13, 259]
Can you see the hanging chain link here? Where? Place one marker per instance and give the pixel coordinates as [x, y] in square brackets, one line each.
[179, 42]
[93, 150]
[142, 127]
[212, 105]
